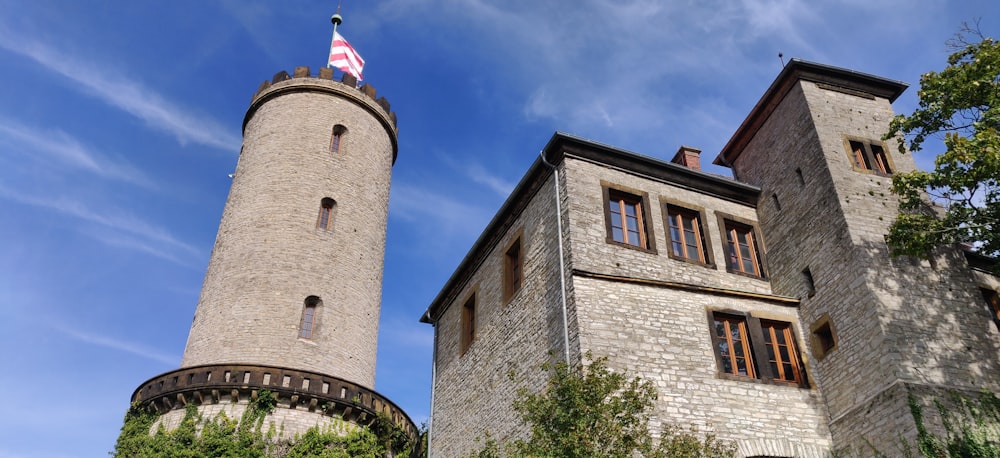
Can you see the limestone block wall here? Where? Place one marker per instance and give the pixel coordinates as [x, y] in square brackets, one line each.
[585, 181]
[664, 336]
[270, 255]
[895, 320]
[473, 392]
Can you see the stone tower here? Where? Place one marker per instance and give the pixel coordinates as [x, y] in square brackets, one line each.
[881, 329]
[291, 298]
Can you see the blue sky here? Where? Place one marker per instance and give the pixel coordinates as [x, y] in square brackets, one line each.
[120, 120]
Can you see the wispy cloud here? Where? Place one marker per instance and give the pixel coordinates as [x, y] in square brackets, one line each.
[126, 94]
[479, 174]
[68, 151]
[114, 220]
[446, 216]
[115, 344]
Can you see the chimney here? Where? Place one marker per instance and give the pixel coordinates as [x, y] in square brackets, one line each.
[688, 157]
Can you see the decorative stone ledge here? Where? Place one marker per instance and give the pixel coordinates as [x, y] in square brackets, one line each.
[294, 389]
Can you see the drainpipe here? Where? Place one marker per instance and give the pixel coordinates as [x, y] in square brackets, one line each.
[434, 364]
[562, 265]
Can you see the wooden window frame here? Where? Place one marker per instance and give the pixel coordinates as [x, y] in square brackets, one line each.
[324, 221]
[740, 322]
[337, 138]
[731, 226]
[308, 322]
[755, 346]
[772, 330]
[697, 214]
[627, 198]
[469, 317]
[869, 156]
[513, 267]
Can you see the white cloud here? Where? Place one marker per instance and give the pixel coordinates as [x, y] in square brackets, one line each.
[115, 344]
[443, 215]
[126, 94]
[111, 219]
[68, 151]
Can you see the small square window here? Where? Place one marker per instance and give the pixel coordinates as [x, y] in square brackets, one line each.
[824, 337]
[869, 155]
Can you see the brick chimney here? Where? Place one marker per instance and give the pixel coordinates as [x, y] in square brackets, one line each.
[688, 157]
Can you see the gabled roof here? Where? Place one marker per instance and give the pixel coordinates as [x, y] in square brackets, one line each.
[842, 79]
[560, 146]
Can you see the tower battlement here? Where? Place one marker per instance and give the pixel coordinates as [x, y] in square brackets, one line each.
[326, 74]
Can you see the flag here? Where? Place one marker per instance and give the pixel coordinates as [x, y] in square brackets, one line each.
[344, 57]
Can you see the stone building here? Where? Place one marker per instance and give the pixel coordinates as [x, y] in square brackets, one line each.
[291, 299]
[763, 308]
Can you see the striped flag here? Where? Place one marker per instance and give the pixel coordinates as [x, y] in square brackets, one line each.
[344, 57]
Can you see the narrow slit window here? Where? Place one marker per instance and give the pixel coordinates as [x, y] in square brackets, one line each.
[513, 265]
[307, 326]
[807, 276]
[325, 219]
[468, 323]
[337, 137]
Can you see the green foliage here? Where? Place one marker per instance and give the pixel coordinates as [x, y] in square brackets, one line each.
[198, 437]
[962, 103]
[972, 428]
[591, 411]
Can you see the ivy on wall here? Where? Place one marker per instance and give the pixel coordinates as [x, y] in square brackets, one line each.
[221, 436]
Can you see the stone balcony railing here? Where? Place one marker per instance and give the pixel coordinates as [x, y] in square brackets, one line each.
[294, 389]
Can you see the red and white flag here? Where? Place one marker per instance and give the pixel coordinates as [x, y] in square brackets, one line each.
[344, 57]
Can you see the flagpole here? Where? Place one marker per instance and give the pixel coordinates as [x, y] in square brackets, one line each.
[336, 20]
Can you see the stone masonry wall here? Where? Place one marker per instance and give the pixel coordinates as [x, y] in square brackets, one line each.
[895, 320]
[591, 251]
[269, 254]
[473, 392]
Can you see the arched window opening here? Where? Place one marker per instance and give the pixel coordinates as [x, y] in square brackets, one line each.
[308, 322]
[335, 139]
[325, 220]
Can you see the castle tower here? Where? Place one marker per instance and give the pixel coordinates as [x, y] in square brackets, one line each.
[882, 330]
[291, 298]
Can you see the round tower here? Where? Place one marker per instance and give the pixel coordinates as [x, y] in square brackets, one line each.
[291, 298]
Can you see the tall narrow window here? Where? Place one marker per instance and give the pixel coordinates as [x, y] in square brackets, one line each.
[686, 236]
[626, 219]
[335, 139]
[781, 353]
[732, 345]
[741, 249]
[513, 265]
[308, 322]
[869, 156]
[325, 220]
[807, 276]
[468, 323]
[993, 301]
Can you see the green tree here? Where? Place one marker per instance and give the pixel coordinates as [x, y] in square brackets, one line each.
[592, 411]
[961, 104]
